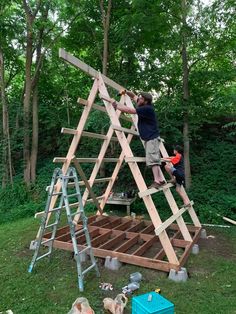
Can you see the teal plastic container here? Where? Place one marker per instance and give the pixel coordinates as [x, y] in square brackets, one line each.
[151, 303]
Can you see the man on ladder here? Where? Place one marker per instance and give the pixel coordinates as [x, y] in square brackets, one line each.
[148, 130]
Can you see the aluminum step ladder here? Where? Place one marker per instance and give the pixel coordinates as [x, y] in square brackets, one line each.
[68, 181]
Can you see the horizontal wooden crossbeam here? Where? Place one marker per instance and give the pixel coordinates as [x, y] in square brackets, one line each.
[87, 134]
[125, 130]
[153, 190]
[101, 108]
[137, 159]
[81, 183]
[85, 160]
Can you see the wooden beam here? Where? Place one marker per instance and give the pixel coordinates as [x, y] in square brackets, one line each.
[128, 244]
[229, 220]
[124, 225]
[172, 258]
[100, 222]
[101, 180]
[84, 160]
[101, 238]
[112, 224]
[90, 200]
[161, 253]
[87, 69]
[137, 159]
[154, 190]
[82, 101]
[83, 177]
[137, 227]
[109, 244]
[125, 130]
[68, 131]
[122, 257]
[143, 248]
[170, 220]
[148, 229]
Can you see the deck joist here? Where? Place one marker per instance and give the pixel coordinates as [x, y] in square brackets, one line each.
[130, 240]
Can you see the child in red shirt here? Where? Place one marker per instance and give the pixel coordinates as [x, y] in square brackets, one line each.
[175, 168]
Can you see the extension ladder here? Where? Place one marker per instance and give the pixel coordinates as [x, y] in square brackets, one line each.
[67, 181]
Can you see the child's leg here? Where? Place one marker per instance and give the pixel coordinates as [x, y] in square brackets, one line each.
[169, 169]
[179, 190]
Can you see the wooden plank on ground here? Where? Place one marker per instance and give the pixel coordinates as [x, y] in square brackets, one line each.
[229, 220]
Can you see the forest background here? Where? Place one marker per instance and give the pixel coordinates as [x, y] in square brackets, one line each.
[181, 51]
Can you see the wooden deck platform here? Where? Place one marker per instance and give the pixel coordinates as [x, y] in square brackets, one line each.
[130, 240]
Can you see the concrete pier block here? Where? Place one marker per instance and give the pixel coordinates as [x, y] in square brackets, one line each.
[195, 249]
[178, 276]
[203, 234]
[112, 263]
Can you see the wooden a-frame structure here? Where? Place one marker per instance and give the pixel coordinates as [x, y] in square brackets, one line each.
[156, 244]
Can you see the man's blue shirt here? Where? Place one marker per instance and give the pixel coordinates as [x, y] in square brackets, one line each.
[147, 122]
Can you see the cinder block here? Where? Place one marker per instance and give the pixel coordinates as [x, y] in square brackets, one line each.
[195, 249]
[112, 263]
[178, 276]
[203, 234]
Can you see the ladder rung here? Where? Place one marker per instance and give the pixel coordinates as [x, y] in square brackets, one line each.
[56, 193]
[48, 240]
[51, 225]
[69, 177]
[85, 249]
[42, 256]
[74, 194]
[76, 213]
[80, 231]
[88, 269]
[54, 209]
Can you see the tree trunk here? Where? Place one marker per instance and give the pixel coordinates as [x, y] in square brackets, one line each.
[27, 99]
[31, 82]
[6, 160]
[34, 148]
[106, 25]
[186, 94]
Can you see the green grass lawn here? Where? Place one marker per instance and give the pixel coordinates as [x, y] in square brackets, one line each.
[52, 287]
